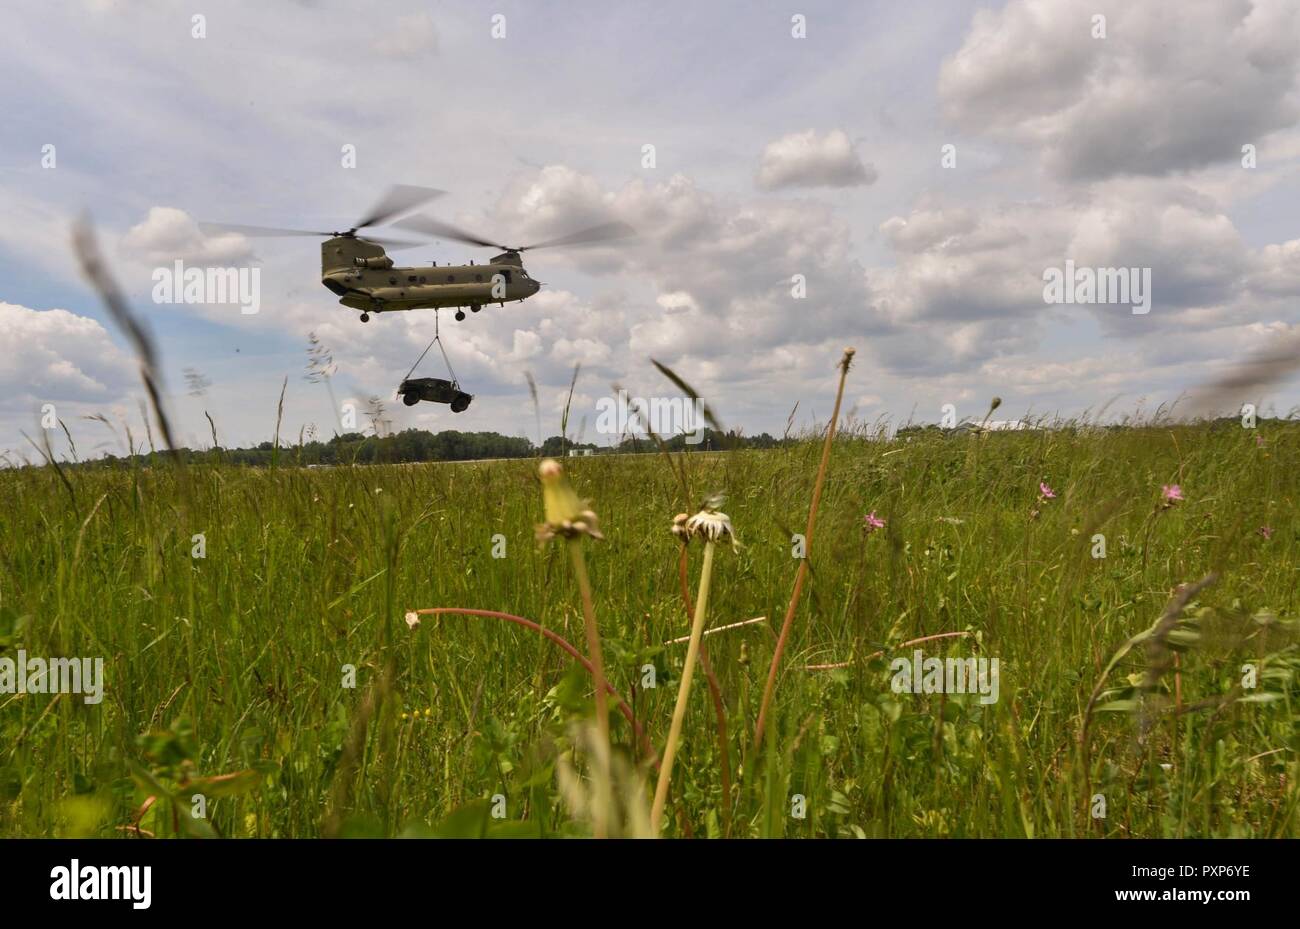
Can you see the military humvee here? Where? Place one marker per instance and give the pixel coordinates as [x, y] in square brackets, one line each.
[435, 390]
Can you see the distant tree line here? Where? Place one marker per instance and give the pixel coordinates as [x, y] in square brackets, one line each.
[411, 445]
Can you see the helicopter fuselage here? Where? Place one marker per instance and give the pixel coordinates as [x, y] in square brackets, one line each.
[366, 279]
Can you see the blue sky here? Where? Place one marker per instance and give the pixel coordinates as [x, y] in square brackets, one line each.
[775, 156]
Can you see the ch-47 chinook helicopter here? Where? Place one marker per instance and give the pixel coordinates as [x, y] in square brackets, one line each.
[363, 275]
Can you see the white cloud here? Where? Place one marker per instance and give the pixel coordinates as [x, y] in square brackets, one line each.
[807, 159]
[66, 360]
[168, 234]
[1174, 85]
[64, 357]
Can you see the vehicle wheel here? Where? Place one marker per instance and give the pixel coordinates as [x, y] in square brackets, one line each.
[460, 314]
[365, 317]
[410, 399]
[475, 309]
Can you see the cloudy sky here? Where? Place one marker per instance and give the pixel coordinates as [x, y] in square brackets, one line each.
[774, 155]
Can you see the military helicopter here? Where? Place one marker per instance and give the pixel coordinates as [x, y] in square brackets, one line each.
[361, 273]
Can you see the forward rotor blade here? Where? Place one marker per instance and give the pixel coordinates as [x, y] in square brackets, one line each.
[218, 228]
[401, 198]
[390, 244]
[602, 233]
[427, 225]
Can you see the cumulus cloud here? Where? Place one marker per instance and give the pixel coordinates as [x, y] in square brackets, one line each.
[721, 269]
[1174, 84]
[809, 159]
[64, 357]
[966, 289]
[168, 234]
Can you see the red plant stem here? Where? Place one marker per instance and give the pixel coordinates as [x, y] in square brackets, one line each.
[568, 647]
[770, 687]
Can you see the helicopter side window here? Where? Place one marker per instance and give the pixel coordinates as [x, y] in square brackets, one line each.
[422, 280]
[410, 279]
[478, 277]
[392, 280]
[506, 275]
[451, 278]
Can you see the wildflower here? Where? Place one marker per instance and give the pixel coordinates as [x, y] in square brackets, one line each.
[1266, 531]
[1259, 441]
[569, 518]
[1045, 493]
[413, 620]
[713, 527]
[710, 524]
[566, 515]
[871, 522]
[1171, 493]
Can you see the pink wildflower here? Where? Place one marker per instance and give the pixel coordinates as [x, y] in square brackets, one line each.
[1047, 492]
[871, 522]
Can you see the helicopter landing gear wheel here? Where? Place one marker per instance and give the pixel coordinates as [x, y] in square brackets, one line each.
[460, 315]
[475, 308]
[365, 317]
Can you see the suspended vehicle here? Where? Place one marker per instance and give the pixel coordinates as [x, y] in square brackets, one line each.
[434, 389]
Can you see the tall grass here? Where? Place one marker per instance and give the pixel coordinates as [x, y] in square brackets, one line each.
[225, 674]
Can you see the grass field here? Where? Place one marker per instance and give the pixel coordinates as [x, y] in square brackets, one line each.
[226, 676]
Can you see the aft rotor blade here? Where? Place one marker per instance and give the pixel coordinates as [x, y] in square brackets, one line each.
[218, 228]
[401, 198]
[438, 229]
[602, 233]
